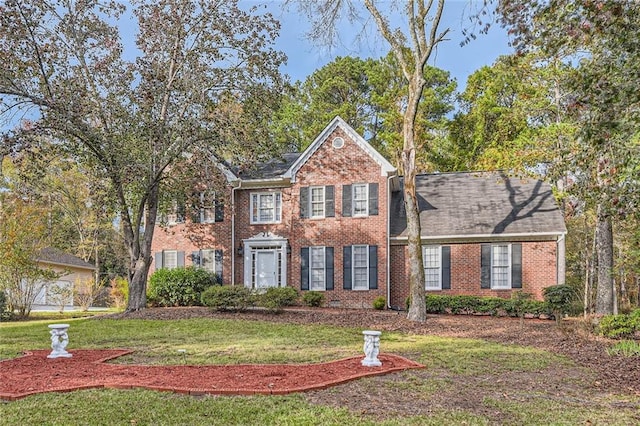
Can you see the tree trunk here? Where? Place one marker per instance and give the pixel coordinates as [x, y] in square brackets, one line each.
[604, 243]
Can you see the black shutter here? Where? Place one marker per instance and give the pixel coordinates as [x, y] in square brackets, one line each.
[219, 211]
[373, 267]
[180, 262]
[516, 265]
[328, 265]
[485, 266]
[346, 200]
[158, 256]
[195, 258]
[218, 265]
[329, 203]
[304, 268]
[446, 267]
[373, 199]
[346, 268]
[304, 202]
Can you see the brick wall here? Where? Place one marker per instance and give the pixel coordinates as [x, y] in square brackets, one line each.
[327, 166]
[190, 237]
[538, 271]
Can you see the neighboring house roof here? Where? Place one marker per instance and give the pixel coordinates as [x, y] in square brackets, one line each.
[58, 257]
[479, 204]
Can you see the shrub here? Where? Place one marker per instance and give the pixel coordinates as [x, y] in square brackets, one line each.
[4, 312]
[313, 298]
[119, 292]
[276, 298]
[86, 291]
[619, 326]
[227, 298]
[439, 304]
[626, 348]
[179, 286]
[559, 298]
[379, 303]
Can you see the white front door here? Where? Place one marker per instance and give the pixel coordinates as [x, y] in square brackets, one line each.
[266, 268]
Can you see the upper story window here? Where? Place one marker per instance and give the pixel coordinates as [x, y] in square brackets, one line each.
[209, 208]
[317, 202]
[360, 199]
[176, 213]
[266, 207]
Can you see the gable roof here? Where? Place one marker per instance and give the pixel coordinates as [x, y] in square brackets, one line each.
[271, 169]
[58, 257]
[478, 205]
[385, 167]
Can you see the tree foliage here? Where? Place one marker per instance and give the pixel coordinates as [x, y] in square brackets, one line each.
[201, 70]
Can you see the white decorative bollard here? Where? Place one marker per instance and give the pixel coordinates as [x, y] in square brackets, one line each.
[59, 341]
[371, 348]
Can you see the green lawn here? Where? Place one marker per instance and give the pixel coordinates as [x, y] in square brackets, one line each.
[466, 381]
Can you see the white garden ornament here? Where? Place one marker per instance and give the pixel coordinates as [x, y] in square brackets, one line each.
[59, 341]
[371, 348]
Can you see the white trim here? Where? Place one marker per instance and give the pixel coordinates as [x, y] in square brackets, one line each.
[524, 236]
[353, 267]
[324, 268]
[277, 207]
[424, 266]
[353, 200]
[261, 241]
[323, 202]
[385, 167]
[509, 266]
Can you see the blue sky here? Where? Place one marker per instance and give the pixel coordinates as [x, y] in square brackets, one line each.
[460, 61]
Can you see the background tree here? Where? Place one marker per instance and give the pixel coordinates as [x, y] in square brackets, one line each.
[605, 103]
[411, 46]
[21, 278]
[366, 93]
[132, 120]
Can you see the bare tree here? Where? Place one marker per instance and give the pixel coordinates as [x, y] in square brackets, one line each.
[412, 44]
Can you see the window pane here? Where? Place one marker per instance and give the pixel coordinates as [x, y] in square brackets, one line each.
[170, 259]
[208, 260]
[360, 268]
[360, 202]
[431, 258]
[317, 202]
[500, 270]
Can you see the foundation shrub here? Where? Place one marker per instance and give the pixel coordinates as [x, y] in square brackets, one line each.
[276, 298]
[313, 298]
[439, 304]
[179, 286]
[379, 303]
[227, 298]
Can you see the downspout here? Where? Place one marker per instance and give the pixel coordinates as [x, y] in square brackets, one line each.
[561, 260]
[389, 241]
[233, 233]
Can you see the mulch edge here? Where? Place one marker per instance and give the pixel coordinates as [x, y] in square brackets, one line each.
[376, 371]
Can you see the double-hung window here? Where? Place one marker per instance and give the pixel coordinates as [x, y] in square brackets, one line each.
[207, 210]
[317, 269]
[360, 268]
[170, 259]
[317, 201]
[500, 266]
[266, 207]
[432, 259]
[360, 199]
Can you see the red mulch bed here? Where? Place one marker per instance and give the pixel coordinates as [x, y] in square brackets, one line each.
[35, 373]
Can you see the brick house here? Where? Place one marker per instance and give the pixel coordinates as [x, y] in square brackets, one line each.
[332, 219]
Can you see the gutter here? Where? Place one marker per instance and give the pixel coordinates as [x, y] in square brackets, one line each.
[389, 241]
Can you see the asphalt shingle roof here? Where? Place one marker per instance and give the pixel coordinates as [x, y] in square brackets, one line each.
[53, 255]
[479, 204]
[270, 169]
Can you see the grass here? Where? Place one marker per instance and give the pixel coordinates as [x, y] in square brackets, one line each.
[626, 348]
[456, 368]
